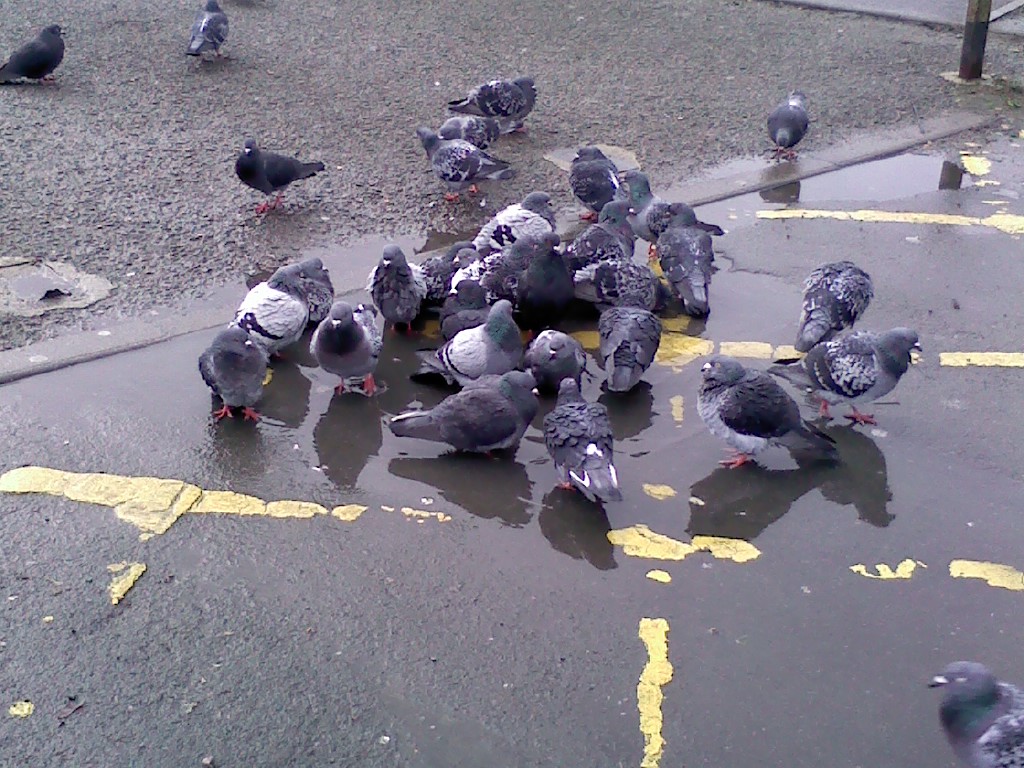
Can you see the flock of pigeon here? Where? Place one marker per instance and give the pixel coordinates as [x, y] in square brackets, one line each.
[514, 277]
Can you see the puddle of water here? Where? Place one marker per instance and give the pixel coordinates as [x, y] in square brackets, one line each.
[36, 286]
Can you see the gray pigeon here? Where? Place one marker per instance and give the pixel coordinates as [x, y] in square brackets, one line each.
[611, 239]
[835, 295]
[478, 131]
[485, 417]
[459, 164]
[36, 59]
[319, 288]
[749, 410]
[619, 284]
[209, 30]
[276, 312]
[466, 308]
[858, 368]
[397, 287]
[554, 356]
[578, 436]
[509, 101]
[686, 255]
[532, 275]
[269, 172]
[469, 265]
[534, 217]
[629, 339]
[234, 368]
[653, 214]
[983, 717]
[787, 125]
[594, 181]
[664, 215]
[347, 343]
[494, 347]
[438, 272]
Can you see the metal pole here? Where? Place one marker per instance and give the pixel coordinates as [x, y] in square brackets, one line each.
[972, 55]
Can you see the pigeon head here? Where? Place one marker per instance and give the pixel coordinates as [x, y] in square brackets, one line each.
[569, 391]
[341, 314]
[589, 153]
[798, 99]
[616, 212]
[471, 294]
[681, 215]
[501, 327]
[212, 7]
[234, 339]
[538, 202]
[314, 269]
[250, 148]
[529, 89]
[288, 279]
[393, 259]
[429, 140]
[971, 698]
[639, 185]
[466, 256]
[899, 342]
[723, 371]
[521, 389]
[53, 30]
[455, 248]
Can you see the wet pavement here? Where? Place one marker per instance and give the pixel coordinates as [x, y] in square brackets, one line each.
[473, 614]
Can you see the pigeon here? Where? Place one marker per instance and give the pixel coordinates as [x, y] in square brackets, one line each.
[509, 101]
[619, 284]
[347, 343]
[488, 416]
[459, 164]
[858, 368]
[469, 265]
[234, 367]
[835, 295]
[319, 288]
[494, 347]
[438, 272]
[611, 239]
[545, 289]
[629, 339]
[678, 214]
[593, 179]
[653, 214]
[397, 287]
[478, 131]
[749, 410]
[36, 59]
[685, 255]
[554, 356]
[268, 172]
[983, 717]
[787, 125]
[578, 436]
[275, 312]
[209, 30]
[466, 308]
[503, 270]
[533, 216]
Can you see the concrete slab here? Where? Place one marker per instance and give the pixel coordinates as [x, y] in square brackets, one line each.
[946, 12]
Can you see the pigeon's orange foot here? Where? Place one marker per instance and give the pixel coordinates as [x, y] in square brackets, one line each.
[249, 414]
[220, 414]
[736, 460]
[860, 418]
[823, 411]
[473, 189]
[369, 385]
[263, 208]
[566, 486]
[451, 197]
[340, 389]
[588, 216]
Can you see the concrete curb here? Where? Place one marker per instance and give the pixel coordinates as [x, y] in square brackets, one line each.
[72, 349]
[911, 17]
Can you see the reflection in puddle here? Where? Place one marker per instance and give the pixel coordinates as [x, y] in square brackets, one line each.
[347, 436]
[577, 528]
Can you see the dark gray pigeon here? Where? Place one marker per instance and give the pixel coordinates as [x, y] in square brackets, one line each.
[438, 272]
[466, 308]
[749, 410]
[835, 295]
[858, 368]
[534, 217]
[485, 417]
[629, 339]
[275, 313]
[611, 239]
[397, 287]
[983, 717]
[478, 131]
[209, 30]
[686, 256]
[652, 214]
[268, 172]
[594, 181]
[234, 368]
[36, 59]
[664, 215]
[578, 436]
[347, 343]
[787, 125]
[459, 164]
[554, 356]
[509, 101]
[494, 347]
[319, 288]
[545, 289]
[619, 284]
[503, 270]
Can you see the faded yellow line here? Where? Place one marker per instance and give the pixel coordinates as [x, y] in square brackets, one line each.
[656, 674]
[129, 574]
[982, 359]
[976, 165]
[677, 403]
[1009, 223]
[755, 349]
[640, 541]
[994, 574]
[421, 515]
[21, 709]
[660, 576]
[659, 492]
[904, 570]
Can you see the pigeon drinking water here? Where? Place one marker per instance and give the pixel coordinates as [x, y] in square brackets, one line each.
[652, 214]
[554, 356]
[268, 172]
[686, 256]
[629, 339]
[36, 59]
[835, 295]
[459, 164]
[276, 312]
[787, 125]
[209, 30]
[509, 101]
[347, 343]
[397, 287]
[234, 368]
[610, 239]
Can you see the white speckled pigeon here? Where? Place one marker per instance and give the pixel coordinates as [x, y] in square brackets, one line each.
[319, 288]
[466, 308]
[209, 30]
[629, 338]
[594, 181]
[858, 368]
[619, 284]
[686, 256]
[494, 347]
[578, 436]
[787, 125]
[347, 343]
[469, 265]
[275, 313]
[397, 287]
[478, 131]
[533, 216]
[488, 416]
[611, 239]
[554, 356]
[438, 272]
[269, 172]
[749, 410]
[36, 59]
[459, 164]
[835, 296]
[509, 101]
[234, 368]
[983, 717]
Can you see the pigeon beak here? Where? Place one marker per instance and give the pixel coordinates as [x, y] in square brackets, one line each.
[917, 346]
[248, 343]
[706, 367]
[938, 681]
[535, 391]
[632, 212]
[385, 262]
[335, 323]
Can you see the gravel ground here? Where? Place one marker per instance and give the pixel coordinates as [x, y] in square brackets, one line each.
[126, 167]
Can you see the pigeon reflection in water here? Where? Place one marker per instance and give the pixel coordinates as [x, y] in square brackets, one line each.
[576, 527]
[631, 412]
[347, 436]
[286, 398]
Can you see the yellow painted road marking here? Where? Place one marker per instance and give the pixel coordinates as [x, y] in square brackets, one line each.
[268, 376]
[659, 492]
[677, 349]
[756, 349]
[676, 401]
[903, 571]
[660, 576]
[982, 359]
[656, 674]
[640, 541]
[21, 709]
[994, 574]
[976, 165]
[589, 339]
[421, 516]
[1009, 223]
[129, 574]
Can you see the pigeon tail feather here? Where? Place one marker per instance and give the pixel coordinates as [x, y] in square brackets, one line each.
[415, 424]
